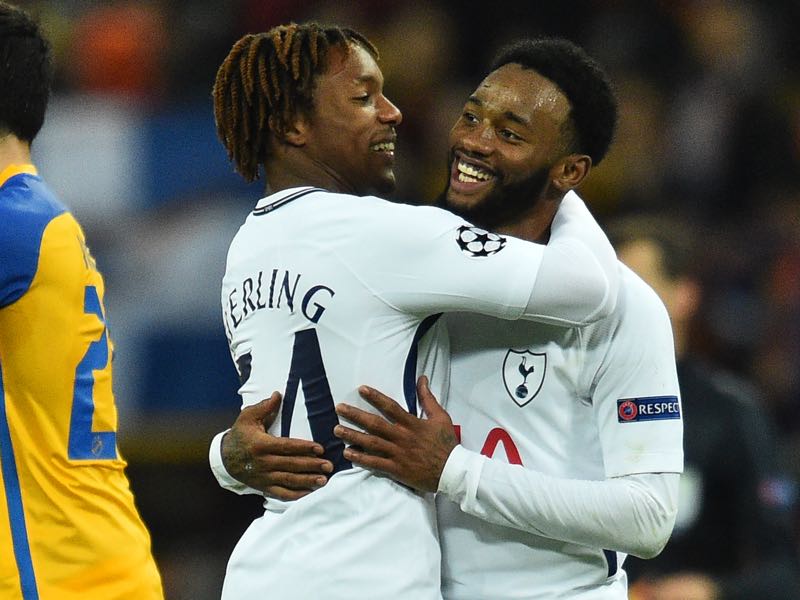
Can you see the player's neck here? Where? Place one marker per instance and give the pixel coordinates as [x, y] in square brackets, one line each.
[13, 151]
[534, 224]
[295, 169]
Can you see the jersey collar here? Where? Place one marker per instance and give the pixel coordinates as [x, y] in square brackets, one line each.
[268, 204]
[16, 169]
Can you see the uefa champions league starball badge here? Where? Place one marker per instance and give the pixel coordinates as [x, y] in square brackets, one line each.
[477, 242]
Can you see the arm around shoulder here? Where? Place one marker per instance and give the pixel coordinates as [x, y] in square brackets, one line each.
[432, 261]
[578, 280]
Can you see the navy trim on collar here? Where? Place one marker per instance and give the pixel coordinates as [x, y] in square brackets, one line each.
[264, 210]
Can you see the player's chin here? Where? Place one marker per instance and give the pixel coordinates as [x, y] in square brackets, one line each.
[385, 184]
[460, 197]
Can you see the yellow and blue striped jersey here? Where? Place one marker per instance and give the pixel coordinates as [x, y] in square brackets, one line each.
[68, 525]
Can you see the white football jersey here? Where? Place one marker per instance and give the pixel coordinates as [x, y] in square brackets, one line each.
[324, 292]
[577, 403]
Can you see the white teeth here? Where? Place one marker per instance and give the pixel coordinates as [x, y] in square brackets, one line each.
[472, 173]
[466, 178]
[383, 147]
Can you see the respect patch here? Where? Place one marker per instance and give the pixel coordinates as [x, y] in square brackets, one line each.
[654, 408]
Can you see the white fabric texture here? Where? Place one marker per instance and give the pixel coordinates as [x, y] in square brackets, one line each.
[577, 281]
[633, 514]
[577, 247]
[569, 490]
[327, 292]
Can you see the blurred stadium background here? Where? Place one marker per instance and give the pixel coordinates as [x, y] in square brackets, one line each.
[710, 131]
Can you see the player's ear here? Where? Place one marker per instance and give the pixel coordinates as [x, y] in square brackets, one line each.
[569, 171]
[295, 133]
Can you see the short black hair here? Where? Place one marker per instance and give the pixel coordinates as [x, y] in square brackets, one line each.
[583, 82]
[26, 73]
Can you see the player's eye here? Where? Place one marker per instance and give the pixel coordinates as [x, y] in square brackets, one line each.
[469, 117]
[509, 135]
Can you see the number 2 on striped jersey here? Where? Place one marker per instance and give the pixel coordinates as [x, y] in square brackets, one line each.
[85, 444]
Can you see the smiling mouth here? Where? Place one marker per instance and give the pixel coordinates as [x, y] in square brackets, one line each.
[468, 173]
[467, 177]
[383, 147]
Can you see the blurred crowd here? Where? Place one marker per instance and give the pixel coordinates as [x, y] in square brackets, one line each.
[709, 134]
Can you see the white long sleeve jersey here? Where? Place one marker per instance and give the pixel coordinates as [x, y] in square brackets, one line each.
[326, 292]
[584, 429]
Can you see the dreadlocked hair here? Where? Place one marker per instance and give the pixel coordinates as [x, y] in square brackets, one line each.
[266, 81]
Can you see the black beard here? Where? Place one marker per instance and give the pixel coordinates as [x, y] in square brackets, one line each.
[504, 204]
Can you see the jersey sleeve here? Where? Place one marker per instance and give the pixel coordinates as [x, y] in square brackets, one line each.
[635, 393]
[633, 514]
[21, 229]
[578, 280]
[424, 260]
